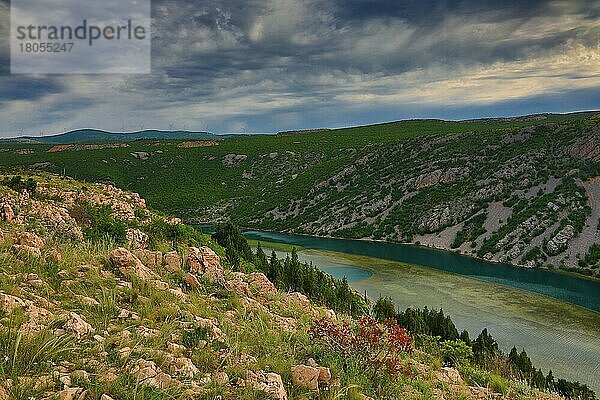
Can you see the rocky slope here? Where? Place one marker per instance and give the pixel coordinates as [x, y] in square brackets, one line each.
[82, 317]
[522, 191]
[528, 197]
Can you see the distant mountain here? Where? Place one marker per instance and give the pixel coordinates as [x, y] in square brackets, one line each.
[93, 135]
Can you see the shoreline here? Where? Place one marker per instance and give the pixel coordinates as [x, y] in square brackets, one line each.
[557, 271]
[373, 271]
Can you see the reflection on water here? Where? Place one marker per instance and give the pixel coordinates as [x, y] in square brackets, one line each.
[333, 267]
[350, 273]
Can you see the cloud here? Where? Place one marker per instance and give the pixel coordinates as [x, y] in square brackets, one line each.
[266, 65]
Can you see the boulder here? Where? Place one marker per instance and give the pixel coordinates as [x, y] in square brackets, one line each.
[151, 259]
[306, 377]
[450, 376]
[238, 287]
[220, 378]
[206, 262]
[26, 251]
[147, 373]
[106, 397]
[324, 375]
[6, 212]
[87, 301]
[192, 280]
[137, 239]
[184, 367]
[172, 260]
[30, 239]
[10, 303]
[161, 285]
[3, 394]
[129, 264]
[34, 280]
[54, 256]
[298, 299]
[81, 375]
[176, 349]
[213, 330]
[260, 284]
[270, 383]
[77, 324]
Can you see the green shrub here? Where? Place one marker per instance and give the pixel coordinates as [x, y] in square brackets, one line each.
[18, 184]
[456, 352]
[98, 223]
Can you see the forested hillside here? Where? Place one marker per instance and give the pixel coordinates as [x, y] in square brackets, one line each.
[518, 190]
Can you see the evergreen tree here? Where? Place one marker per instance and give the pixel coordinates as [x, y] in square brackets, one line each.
[464, 336]
[261, 260]
[538, 380]
[485, 348]
[384, 308]
[550, 380]
[235, 244]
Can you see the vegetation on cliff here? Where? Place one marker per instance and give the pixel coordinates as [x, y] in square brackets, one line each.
[163, 313]
[512, 190]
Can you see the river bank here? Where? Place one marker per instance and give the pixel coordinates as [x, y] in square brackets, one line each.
[557, 335]
[563, 287]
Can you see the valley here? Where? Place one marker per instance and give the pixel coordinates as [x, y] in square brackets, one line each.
[521, 191]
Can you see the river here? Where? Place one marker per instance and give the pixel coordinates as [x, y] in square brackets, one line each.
[555, 317]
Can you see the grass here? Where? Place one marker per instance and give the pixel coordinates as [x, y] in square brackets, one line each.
[83, 271]
[536, 322]
[30, 355]
[195, 183]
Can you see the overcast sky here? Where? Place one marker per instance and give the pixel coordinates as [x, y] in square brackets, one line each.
[271, 65]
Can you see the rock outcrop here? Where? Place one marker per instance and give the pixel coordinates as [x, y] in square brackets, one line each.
[128, 264]
[77, 324]
[205, 262]
[147, 373]
[310, 376]
[270, 383]
[6, 212]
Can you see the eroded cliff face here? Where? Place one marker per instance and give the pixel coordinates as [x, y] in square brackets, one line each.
[527, 197]
[151, 318]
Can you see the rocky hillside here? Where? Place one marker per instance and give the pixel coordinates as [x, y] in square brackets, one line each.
[102, 298]
[528, 197]
[522, 191]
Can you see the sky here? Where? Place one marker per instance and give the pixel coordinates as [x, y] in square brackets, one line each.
[272, 65]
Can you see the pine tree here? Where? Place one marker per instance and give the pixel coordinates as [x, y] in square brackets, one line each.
[262, 262]
[550, 380]
[485, 348]
[464, 336]
[384, 308]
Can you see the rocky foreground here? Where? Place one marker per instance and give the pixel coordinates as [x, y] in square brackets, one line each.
[159, 319]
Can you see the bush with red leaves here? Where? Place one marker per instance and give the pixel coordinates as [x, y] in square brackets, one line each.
[378, 347]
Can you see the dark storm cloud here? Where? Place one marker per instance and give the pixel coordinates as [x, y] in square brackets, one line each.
[27, 88]
[289, 63]
[426, 32]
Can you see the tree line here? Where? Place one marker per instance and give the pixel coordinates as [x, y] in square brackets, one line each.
[485, 350]
[291, 274]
